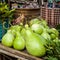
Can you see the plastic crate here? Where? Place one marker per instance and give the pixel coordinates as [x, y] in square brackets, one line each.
[52, 15]
[2, 29]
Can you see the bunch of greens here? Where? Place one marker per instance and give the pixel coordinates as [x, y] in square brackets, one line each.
[5, 12]
[53, 49]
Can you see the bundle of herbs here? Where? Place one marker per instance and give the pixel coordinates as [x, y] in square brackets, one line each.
[53, 49]
[5, 12]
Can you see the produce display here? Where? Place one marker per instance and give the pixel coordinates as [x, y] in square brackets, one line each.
[36, 37]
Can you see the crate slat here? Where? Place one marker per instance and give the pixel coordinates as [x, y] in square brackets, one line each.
[23, 55]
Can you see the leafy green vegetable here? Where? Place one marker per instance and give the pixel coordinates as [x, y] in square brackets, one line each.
[50, 58]
[5, 12]
[53, 48]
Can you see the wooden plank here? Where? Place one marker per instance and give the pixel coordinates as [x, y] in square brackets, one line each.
[12, 55]
[23, 55]
[0, 57]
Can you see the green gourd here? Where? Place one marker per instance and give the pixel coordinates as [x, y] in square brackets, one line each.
[54, 31]
[37, 28]
[8, 39]
[16, 28]
[34, 21]
[23, 33]
[46, 35]
[43, 40]
[34, 45]
[19, 42]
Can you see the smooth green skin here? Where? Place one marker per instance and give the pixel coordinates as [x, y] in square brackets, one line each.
[19, 42]
[34, 21]
[43, 40]
[56, 40]
[23, 32]
[16, 28]
[34, 45]
[37, 28]
[8, 39]
[44, 23]
[53, 36]
[35, 49]
[46, 35]
[54, 31]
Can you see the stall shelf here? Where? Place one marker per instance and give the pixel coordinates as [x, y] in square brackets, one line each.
[19, 55]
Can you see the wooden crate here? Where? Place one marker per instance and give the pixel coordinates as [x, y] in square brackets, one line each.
[20, 55]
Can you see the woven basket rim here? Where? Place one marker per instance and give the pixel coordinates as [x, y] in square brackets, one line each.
[27, 8]
[49, 8]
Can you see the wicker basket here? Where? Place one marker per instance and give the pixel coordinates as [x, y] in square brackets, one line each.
[52, 15]
[29, 13]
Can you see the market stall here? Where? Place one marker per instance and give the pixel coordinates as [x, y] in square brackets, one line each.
[29, 31]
